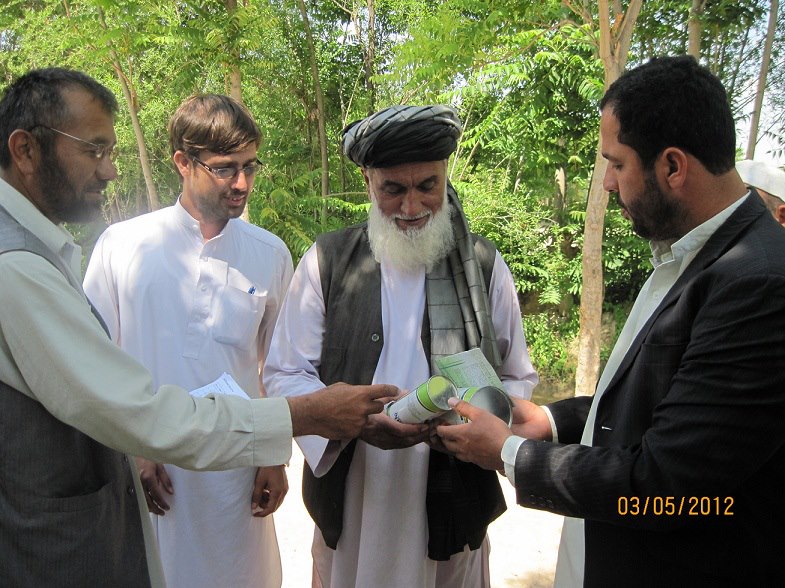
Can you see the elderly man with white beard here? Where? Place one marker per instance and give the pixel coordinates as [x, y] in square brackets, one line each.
[379, 302]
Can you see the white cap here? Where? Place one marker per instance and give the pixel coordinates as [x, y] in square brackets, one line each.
[765, 176]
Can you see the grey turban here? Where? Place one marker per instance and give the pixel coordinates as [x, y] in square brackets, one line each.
[402, 134]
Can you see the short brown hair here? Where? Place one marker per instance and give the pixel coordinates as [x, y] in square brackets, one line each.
[212, 122]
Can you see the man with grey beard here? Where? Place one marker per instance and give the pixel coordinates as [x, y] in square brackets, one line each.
[379, 302]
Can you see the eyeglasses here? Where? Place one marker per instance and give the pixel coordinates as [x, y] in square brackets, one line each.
[230, 172]
[97, 150]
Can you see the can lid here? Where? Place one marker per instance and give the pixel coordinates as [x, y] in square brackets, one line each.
[494, 400]
[434, 393]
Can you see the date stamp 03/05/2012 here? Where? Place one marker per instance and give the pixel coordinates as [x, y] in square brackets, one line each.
[675, 506]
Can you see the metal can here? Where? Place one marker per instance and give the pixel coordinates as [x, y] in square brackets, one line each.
[494, 400]
[425, 402]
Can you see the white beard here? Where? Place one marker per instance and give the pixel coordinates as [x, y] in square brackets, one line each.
[411, 249]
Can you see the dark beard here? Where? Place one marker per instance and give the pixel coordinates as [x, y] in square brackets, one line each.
[655, 216]
[63, 203]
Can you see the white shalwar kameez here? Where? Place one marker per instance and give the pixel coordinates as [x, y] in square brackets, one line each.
[190, 310]
[384, 541]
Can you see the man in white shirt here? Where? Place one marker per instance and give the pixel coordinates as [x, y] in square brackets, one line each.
[192, 291]
[672, 473]
[379, 302]
[769, 181]
[72, 403]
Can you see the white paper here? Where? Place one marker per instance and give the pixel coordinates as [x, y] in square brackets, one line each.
[225, 384]
[468, 368]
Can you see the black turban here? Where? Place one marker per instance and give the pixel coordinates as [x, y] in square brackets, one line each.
[402, 134]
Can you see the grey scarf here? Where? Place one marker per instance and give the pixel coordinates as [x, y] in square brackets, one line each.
[458, 309]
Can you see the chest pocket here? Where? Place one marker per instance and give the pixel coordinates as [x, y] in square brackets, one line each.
[238, 311]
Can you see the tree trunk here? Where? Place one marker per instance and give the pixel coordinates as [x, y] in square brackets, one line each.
[614, 45]
[370, 58]
[235, 88]
[695, 28]
[764, 71]
[130, 100]
[593, 288]
[152, 193]
[235, 85]
[320, 113]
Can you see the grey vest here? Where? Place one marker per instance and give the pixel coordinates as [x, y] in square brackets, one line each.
[68, 513]
[352, 344]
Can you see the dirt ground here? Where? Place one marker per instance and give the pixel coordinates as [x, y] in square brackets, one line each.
[524, 542]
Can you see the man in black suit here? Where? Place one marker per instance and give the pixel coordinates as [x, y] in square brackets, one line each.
[676, 466]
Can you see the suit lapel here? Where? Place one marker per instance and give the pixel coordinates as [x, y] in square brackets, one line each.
[722, 239]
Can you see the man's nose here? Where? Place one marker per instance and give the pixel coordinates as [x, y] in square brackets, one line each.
[240, 181]
[609, 183]
[411, 203]
[107, 170]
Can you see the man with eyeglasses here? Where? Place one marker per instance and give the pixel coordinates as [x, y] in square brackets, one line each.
[192, 291]
[72, 403]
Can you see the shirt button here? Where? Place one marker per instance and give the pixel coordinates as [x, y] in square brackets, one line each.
[130, 490]
[375, 337]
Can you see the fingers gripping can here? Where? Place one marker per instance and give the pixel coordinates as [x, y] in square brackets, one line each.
[425, 402]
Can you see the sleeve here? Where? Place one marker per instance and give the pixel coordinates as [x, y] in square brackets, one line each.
[517, 372]
[100, 287]
[55, 351]
[717, 429]
[271, 312]
[291, 367]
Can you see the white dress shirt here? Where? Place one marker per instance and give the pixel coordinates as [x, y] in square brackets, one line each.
[190, 310]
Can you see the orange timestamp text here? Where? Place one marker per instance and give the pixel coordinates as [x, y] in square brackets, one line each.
[674, 506]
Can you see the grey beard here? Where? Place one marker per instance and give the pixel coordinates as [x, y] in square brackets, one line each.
[411, 249]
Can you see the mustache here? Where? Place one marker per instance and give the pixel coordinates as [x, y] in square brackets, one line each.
[97, 187]
[411, 217]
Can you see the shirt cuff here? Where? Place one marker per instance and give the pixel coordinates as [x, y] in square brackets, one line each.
[509, 453]
[554, 432]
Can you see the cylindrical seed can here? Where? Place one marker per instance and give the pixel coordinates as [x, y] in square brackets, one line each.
[423, 403]
[494, 400]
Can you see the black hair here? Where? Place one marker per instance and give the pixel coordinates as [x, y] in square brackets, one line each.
[674, 102]
[36, 100]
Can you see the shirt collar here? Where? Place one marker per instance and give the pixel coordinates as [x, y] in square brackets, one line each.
[688, 246]
[55, 237]
[184, 218]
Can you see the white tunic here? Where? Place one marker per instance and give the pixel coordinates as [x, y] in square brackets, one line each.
[190, 310]
[385, 536]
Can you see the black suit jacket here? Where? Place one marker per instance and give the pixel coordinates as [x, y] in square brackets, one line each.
[691, 429]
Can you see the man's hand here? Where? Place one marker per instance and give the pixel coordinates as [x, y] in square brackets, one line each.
[434, 441]
[156, 484]
[339, 411]
[386, 433]
[529, 420]
[480, 440]
[269, 489]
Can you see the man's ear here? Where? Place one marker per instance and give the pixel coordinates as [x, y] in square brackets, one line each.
[779, 214]
[181, 162]
[366, 177]
[673, 165]
[25, 151]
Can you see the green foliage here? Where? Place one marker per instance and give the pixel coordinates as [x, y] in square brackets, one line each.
[523, 76]
[536, 248]
[550, 339]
